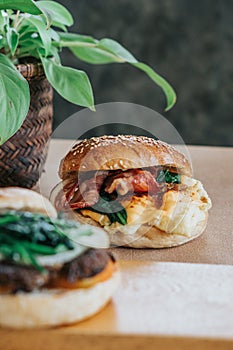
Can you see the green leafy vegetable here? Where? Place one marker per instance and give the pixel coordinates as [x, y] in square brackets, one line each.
[24, 236]
[120, 216]
[169, 177]
[110, 207]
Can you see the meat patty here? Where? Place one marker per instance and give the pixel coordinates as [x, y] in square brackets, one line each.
[86, 265]
[14, 278]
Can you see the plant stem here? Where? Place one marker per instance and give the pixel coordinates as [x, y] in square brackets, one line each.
[83, 44]
[73, 44]
[21, 19]
[16, 19]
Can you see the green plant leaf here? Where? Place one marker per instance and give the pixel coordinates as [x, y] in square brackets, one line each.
[71, 84]
[2, 42]
[93, 51]
[58, 12]
[94, 55]
[12, 39]
[43, 31]
[160, 81]
[1, 21]
[30, 48]
[59, 25]
[53, 34]
[121, 52]
[27, 6]
[105, 51]
[15, 99]
[54, 53]
[72, 39]
[117, 49]
[87, 49]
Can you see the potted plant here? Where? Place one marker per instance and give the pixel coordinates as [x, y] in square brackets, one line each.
[32, 35]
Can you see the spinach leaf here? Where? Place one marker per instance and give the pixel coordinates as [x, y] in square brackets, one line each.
[120, 216]
[167, 176]
[24, 235]
[110, 207]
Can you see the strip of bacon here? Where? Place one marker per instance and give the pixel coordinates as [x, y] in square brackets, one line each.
[82, 193]
[88, 193]
[135, 181]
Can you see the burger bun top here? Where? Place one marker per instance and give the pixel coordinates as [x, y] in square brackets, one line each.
[122, 152]
[22, 199]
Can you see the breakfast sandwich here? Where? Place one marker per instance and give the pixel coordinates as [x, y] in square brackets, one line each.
[139, 190]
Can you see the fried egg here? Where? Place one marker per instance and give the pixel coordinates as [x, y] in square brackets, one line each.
[180, 212]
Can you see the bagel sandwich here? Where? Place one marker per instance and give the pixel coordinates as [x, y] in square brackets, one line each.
[140, 190]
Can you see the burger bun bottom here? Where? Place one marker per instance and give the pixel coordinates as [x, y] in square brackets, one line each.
[55, 307]
[148, 236]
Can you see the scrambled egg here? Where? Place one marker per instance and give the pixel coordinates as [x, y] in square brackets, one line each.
[180, 212]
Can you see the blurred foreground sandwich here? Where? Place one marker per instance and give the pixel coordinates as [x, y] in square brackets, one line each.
[50, 270]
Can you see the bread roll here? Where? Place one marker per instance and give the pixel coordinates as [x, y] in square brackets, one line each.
[22, 199]
[55, 307]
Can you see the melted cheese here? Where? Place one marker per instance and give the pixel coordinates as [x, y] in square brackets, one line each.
[180, 212]
[88, 282]
[100, 218]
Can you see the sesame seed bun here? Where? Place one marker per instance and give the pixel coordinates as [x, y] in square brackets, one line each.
[122, 152]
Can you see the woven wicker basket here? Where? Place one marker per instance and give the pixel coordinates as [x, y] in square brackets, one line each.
[23, 156]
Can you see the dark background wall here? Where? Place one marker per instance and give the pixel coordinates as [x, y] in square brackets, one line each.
[187, 41]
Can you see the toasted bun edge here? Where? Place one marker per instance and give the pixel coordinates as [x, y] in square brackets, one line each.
[122, 152]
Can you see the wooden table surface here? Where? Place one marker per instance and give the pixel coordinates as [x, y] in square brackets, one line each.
[177, 298]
